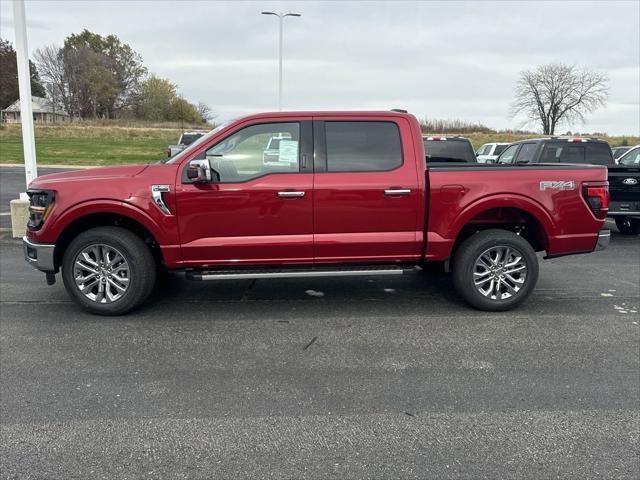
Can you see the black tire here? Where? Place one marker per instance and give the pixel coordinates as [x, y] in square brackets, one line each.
[141, 269]
[464, 267]
[628, 226]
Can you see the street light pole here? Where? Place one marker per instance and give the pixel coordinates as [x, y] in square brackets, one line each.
[281, 21]
[24, 88]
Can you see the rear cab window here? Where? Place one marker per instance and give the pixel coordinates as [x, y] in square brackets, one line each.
[439, 149]
[592, 153]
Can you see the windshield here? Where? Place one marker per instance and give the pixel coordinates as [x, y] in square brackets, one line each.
[448, 151]
[631, 158]
[195, 144]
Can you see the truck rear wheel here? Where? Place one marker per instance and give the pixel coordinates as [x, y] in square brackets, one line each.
[628, 226]
[108, 270]
[495, 270]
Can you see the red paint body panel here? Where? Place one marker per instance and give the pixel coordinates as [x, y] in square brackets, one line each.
[569, 225]
[247, 222]
[353, 218]
[343, 217]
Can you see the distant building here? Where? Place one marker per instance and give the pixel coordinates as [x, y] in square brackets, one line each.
[43, 112]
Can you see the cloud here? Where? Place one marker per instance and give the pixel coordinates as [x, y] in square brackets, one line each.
[441, 59]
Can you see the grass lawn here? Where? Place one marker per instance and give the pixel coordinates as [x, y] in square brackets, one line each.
[89, 145]
[112, 145]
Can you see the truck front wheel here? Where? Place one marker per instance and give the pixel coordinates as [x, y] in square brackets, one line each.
[628, 226]
[108, 270]
[495, 270]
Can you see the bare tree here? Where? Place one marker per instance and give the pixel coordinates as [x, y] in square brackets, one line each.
[205, 112]
[555, 94]
[50, 65]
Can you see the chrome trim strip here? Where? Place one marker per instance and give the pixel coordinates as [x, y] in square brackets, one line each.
[44, 255]
[156, 194]
[336, 273]
[622, 213]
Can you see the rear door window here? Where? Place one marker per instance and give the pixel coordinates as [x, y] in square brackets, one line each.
[363, 146]
[525, 155]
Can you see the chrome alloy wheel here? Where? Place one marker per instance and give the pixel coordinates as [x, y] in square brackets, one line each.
[499, 272]
[101, 273]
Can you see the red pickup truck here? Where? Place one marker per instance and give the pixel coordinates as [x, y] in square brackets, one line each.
[346, 193]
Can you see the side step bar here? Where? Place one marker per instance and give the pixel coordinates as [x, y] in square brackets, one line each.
[293, 272]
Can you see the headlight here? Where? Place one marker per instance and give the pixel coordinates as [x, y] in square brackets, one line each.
[41, 204]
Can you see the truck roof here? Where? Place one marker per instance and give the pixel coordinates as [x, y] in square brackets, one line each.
[332, 113]
[560, 138]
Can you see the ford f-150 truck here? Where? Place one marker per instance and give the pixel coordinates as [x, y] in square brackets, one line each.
[349, 193]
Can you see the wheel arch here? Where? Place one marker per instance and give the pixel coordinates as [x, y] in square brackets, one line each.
[85, 217]
[510, 212]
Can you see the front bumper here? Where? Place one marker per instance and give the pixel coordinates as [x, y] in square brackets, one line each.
[604, 236]
[39, 255]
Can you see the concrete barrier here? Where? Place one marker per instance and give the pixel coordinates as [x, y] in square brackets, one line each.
[19, 217]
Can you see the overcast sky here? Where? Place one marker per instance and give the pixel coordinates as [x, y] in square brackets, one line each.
[438, 59]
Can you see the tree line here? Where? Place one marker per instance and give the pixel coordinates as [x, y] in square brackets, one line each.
[93, 76]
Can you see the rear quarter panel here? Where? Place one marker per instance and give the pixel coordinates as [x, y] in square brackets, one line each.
[457, 195]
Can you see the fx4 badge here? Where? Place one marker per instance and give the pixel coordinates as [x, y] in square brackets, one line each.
[557, 185]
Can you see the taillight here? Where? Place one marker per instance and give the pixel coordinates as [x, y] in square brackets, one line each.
[598, 199]
[40, 206]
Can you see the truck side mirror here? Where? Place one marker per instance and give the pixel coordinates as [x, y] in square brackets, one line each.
[199, 171]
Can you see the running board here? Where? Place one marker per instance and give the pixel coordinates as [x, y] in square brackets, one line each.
[293, 272]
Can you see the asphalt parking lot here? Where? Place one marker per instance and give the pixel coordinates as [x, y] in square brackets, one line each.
[325, 378]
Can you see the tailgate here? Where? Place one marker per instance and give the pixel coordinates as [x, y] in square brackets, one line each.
[624, 188]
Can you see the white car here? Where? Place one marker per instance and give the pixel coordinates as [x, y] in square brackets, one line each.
[489, 152]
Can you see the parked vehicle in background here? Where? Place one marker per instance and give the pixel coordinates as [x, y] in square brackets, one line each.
[617, 152]
[625, 191]
[186, 139]
[624, 179]
[439, 148]
[489, 152]
[358, 200]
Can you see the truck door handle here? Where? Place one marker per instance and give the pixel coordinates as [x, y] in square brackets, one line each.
[397, 191]
[290, 194]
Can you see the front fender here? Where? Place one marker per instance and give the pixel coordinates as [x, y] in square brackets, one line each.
[163, 227]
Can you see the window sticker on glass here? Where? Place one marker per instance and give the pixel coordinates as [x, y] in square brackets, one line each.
[288, 151]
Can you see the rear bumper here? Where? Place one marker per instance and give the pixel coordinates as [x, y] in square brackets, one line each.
[604, 237]
[39, 255]
[624, 209]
